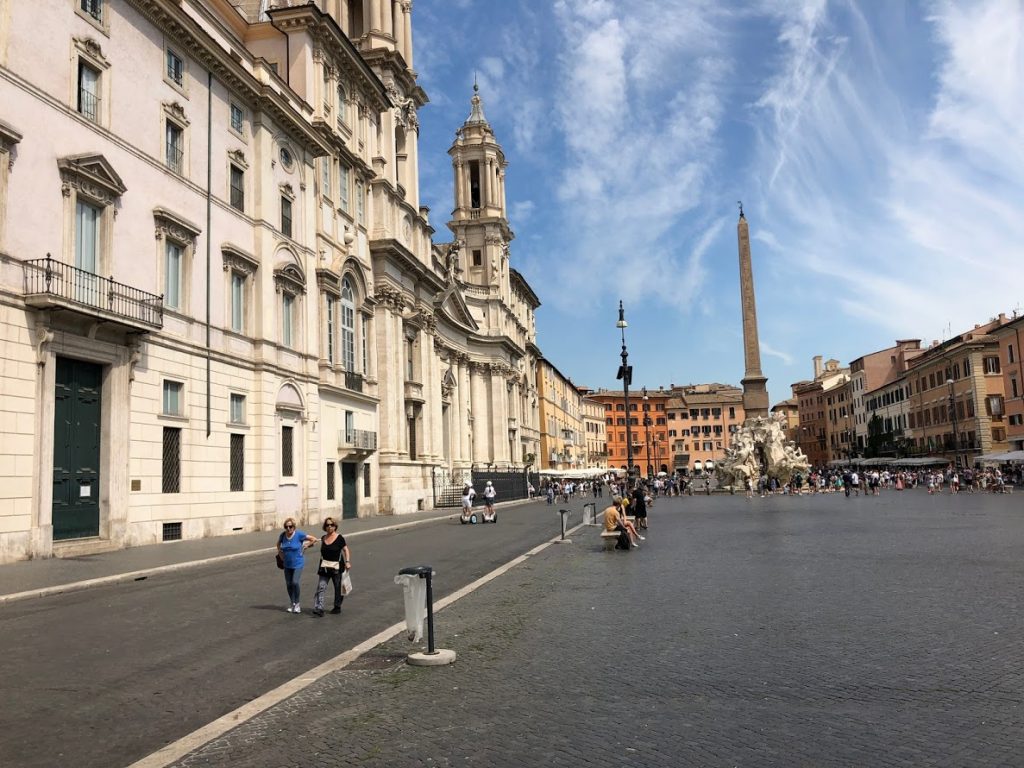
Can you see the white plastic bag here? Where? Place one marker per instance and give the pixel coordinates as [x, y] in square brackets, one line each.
[346, 584]
[414, 590]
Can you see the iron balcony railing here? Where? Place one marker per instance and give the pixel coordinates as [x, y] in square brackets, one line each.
[51, 278]
[353, 381]
[175, 156]
[357, 439]
[88, 104]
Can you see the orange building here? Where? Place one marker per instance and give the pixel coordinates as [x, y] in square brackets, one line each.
[647, 425]
[702, 419]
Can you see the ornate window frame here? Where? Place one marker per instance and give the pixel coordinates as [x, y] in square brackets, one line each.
[85, 50]
[91, 179]
[290, 286]
[9, 139]
[102, 23]
[238, 262]
[172, 229]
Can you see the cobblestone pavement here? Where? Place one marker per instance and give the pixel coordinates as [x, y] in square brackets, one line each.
[815, 631]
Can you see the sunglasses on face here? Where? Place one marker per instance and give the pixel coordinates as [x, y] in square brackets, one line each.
[288, 527]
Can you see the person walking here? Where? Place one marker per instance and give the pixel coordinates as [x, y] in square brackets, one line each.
[335, 559]
[640, 507]
[290, 545]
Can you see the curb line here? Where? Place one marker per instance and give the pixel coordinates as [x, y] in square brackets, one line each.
[140, 575]
[199, 738]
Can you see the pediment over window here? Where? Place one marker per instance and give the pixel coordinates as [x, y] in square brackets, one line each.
[450, 304]
[237, 259]
[290, 278]
[173, 226]
[92, 175]
[8, 137]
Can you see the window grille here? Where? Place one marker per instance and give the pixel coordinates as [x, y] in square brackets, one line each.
[172, 532]
[175, 147]
[330, 481]
[286, 217]
[237, 118]
[172, 460]
[237, 188]
[287, 466]
[88, 91]
[238, 462]
[175, 67]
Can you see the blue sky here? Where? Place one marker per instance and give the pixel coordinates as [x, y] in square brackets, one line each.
[877, 148]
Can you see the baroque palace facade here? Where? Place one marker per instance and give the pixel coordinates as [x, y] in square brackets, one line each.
[221, 302]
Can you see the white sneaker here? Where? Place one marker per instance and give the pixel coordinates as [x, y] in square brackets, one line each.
[291, 608]
[296, 609]
[642, 538]
[635, 545]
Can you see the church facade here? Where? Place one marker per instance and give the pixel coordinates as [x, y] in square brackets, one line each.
[221, 301]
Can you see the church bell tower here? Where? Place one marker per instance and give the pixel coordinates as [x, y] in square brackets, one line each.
[480, 218]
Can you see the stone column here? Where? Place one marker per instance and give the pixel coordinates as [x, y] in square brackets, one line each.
[499, 416]
[478, 388]
[367, 15]
[398, 24]
[407, 23]
[456, 168]
[386, 17]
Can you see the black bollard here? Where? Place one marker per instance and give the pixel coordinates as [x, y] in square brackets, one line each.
[425, 572]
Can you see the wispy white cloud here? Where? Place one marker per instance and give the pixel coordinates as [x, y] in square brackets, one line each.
[521, 211]
[770, 351]
[637, 118]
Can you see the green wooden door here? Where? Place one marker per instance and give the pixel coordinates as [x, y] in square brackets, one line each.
[349, 505]
[76, 450]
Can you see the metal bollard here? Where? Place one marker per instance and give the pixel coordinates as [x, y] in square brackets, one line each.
[425, 572]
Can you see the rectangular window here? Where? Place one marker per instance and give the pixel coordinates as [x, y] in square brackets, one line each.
[175, 67]
[94, 8]
[366, 481]
[410, 360]
[325, 177]
[1013, 388]
[237, 462]
[237, 302]
[331, 328]
[175, 147]
[237, 118]
[360, 202]
[1009, 354]
[88, 91]
[330, 481]
[286, 217]
[287, 465]
[991, 364]
[478, 258]
[994, 405]
[287, 318]
[350, 427]
[172, 276]
[87, 236]
[236, 413]
[348, 336]
[344, 180]
[237, 188]
[172, 398]
[172, 460]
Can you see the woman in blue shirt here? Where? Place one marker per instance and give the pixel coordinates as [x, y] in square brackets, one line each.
[290, 545]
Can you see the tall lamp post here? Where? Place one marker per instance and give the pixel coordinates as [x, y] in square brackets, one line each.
[626, 374]
[952, 418]
[647, 431]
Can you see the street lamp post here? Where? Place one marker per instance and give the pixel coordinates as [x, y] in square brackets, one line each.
[626, 374]
[952, 418]
[647, 431]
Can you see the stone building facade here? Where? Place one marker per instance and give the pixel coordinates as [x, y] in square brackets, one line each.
[220, 300]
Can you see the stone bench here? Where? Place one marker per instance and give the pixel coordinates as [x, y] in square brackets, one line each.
[610, 539]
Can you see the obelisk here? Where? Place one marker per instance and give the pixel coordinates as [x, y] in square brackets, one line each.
[755, 383]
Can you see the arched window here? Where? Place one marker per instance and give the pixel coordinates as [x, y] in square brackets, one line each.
[342, 105]
[348, 326]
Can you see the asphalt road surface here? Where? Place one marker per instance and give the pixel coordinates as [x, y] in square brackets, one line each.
[103, 677]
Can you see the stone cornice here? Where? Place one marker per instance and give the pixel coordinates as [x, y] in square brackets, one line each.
[168, 16]
[326, 33]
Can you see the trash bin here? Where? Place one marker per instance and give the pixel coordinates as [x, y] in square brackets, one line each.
[414, 589]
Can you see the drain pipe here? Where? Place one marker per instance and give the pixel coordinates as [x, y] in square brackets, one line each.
[209, 234]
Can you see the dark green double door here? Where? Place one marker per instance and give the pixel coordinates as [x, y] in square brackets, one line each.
[76, 449]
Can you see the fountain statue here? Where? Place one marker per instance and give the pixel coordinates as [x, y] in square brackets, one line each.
[760, 446]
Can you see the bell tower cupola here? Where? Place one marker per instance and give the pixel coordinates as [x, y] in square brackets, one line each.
[480, 218]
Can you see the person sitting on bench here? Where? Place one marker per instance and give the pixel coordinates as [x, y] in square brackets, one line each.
[614, 520]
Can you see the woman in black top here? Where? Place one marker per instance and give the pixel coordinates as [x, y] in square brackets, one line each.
[335, 559]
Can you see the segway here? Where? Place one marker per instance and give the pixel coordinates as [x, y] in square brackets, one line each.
[468, 516]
